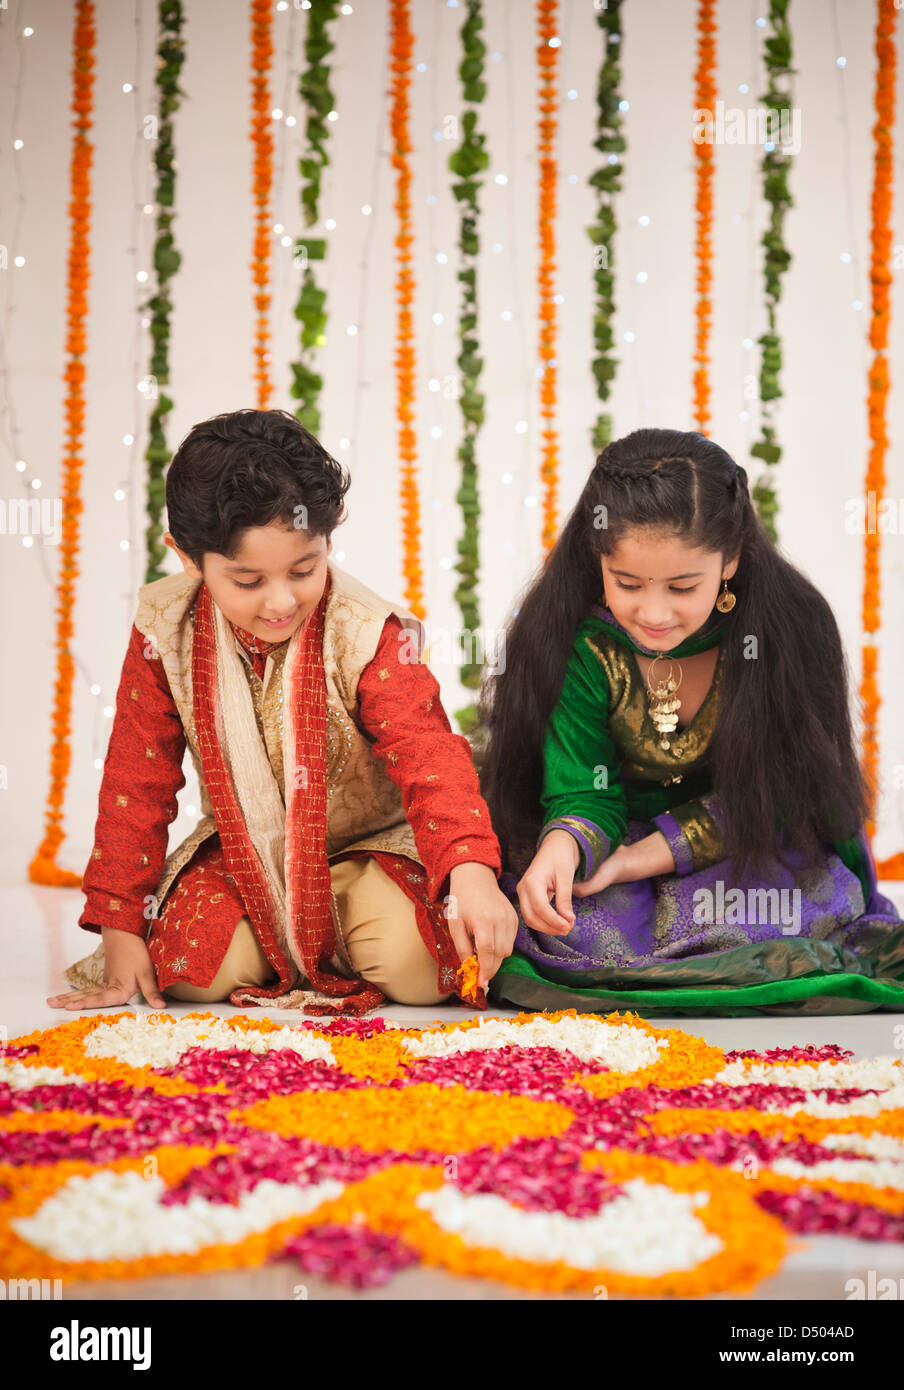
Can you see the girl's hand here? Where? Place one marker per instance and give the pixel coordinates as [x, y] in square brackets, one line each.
[628, 863]
[127, 969]
[481, 918]
[619, 867]
[551, 874]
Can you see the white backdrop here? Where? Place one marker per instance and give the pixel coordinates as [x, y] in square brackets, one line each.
[822, 420]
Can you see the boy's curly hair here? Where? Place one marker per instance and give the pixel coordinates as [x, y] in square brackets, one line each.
[249, 468]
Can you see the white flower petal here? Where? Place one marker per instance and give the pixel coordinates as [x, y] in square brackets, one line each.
[621, 1047]
[118, 1216]
[648, 1230]
[141, 1043]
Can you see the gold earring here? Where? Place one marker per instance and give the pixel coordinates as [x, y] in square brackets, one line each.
[726, 600]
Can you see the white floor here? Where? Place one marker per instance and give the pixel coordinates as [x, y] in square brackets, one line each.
[39, 938]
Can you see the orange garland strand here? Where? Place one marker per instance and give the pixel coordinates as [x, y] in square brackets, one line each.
[704, 155]
[402, 45]
[43, 867]
[547, 58]
[261, 138]
[880, 278]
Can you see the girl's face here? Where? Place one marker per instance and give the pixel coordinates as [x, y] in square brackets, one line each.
[273, 582]
[685, 584]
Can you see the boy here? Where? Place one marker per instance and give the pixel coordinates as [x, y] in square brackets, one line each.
[340, 811]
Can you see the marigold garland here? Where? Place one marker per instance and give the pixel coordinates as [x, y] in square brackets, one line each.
[877, 399]
[43, 867]
[402, 41]
[367, 1152]
[704, 157]
[262, 140]
[547, 60]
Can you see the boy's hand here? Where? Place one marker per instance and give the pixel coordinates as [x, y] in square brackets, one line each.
[551, 874]
[128, 968]
[481, 918]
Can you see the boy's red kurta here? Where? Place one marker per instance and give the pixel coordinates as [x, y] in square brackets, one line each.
[399, 706]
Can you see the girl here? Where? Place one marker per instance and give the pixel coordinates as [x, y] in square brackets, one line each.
[670, 764]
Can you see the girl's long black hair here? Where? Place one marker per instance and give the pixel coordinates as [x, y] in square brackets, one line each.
[782, 753]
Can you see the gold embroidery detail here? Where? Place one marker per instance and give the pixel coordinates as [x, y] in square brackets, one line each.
[393, 758]
[150, 752]
[429, 705]
[95, 853]
[383, 674]
[145, 859]
[431, 777]
[122, 800]
[629, 724]
[268, 709]
[432, 825]
[133, 693]
[462, 848]
[115, 904]
[475, 810]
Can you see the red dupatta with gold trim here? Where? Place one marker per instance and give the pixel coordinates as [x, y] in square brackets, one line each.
[302, 891]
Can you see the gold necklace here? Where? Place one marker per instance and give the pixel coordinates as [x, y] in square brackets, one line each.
[664, 704]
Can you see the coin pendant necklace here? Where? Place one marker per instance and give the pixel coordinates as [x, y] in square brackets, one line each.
[664, 702]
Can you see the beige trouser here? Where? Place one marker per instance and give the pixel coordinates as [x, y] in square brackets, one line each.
[382, 942]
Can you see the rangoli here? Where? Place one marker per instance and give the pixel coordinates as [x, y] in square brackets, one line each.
[554, 1151]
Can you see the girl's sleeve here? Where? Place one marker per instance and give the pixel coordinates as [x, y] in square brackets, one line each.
[582, 787]
[401, 709]
[694, 831]
[142, 774]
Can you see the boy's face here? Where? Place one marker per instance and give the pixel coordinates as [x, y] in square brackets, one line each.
[273, 582]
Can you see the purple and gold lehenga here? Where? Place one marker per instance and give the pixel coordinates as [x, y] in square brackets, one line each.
[696, 940]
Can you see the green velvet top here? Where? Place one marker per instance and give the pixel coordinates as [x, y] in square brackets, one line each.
[603, 764]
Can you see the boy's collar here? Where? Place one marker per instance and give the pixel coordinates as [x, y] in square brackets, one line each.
[255, 644]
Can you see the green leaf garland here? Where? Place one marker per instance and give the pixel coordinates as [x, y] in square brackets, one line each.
[310, 307]
[775, 166]
[170, 54]
[607, 182]
[468, 162]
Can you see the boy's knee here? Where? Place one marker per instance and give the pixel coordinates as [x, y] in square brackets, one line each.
[404, 976]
